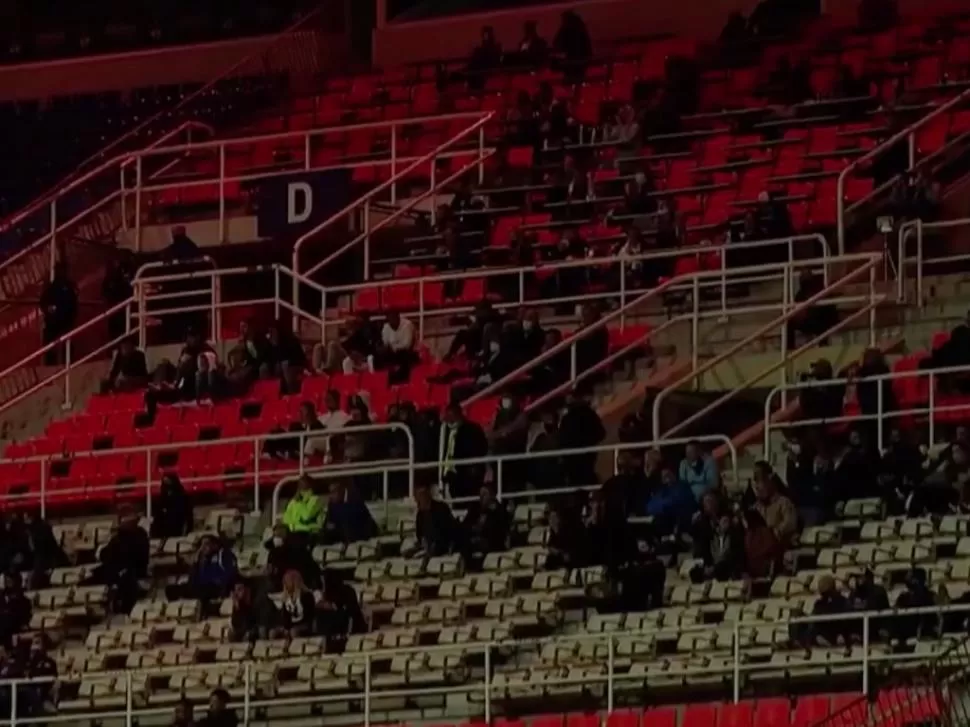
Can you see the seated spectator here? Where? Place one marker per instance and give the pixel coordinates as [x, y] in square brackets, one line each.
[552, 371]
[580, 428]
[212, 576]
[487, 523]
[304, 513]
[252, 616]
[566, 542]
[494, 364]
[673, 505]
[172, 509]
[636, 199]
[219, 714]
[814, 321]
[593, 347]
[251, 345]
[814, 492]
[533, 49]
[338, 612]
[196, 368]
[184, 714]
[573, 182]
[281, 349]
[240, 373]
[296, 607]
[39, 665]
[774, 221]
[762, 549]
[776, 510]
[643, 578]
[358, 334]
[463, 439]
[573, 47]
[348, 518]
[723, 552]
[607, 540]
[942, 490]
[510, 431]
[566, 282]
[123, 562]
[486, 57]
[15, 609]
[638, 271]
[916, 595]
[469, 340]
[704, 522]
[830, 603]
[45, 552]
[624, 130]
[397, 347]
[356, 362]
[824, 399]
[333, 417]
[129, 368]
[867, 595]
[698, 470]
[629, 488]
[286, 553]
[436, 530]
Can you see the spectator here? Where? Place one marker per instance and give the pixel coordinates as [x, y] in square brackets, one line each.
[182, 247]
[900, 470]
[212, 574]
[296, 606]
[304, 513]
[566, 282]
[397, 347]
[129, 368]
[124, 561]
[251, 618]
[761, 472]
[252, 347]
[552, 371]
[815, 492]
[699, 470]
[487, 523]
[533, 49]
[436, 529]
[219, 714]
[544, 470]
[510, 430]
[624, 130]
[762, 549]
[469, 339]
[15, 609]
[39, 665]
[916, 595]
[830, 603]
[815, 320]
[463, 439]
[637, 427]
[643, 578]
[184, 714]
[638, 271]
[607, 540]
[580, 428]
[115, 290]
[629, 488]
[58, 304]
[45, 551]
[172, 509]
[775, 509]
[942, 489]
[673, 505]
[867, 390]
[867, 595]
[572, 44]
[566, 541]
[591, 347]
[723, 555]
[286, 553]
[338, 612]
[196, 368]
[494, 364]
[348, 518]
[281, 349]
[333, 417]
[823, 399]
[487, 56]
[636, 199]
[705, 522]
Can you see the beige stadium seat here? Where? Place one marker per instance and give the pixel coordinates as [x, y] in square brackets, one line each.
[369, 572]
[958, 525]
[728, 591]
[459, 634]
[691, 593]
[869, 508]
[444, 566]
[603, 622]
[694, 641]
[744, 612]
[70, 576]
[819, 536]
[97, 693]
[539, 536]
[227, 521]
[874, 554]
[638, 647]
[834, 558]
[912, 552]
[363, 550]
[329, 554]
[529, 515]
[268, 649]
[918, 527]
[405, 568]
[878, 530]
[960, 569]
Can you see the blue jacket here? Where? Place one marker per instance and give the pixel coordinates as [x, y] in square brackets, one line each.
[674, 504]
[218, 571]
[699, 479]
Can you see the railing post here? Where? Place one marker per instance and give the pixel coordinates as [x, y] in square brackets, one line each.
[610, 672]
[307, 151]
[420, 310]
[919, 264]
[932, 405]
[695, 329]
[366, 226]
[724, 280]
[67, 375]
[256, 459]
[481, 154]
[785, 298]
[148, 482]
[911, 144]
[498, 478]
[129, 699]
[879, 405]
[386, 495]
[123, 201]
[222, 192]
[53, 253]
[138, 204]
[488, 683]
[43, 490]
[276, 293]
[572, 362]
[622, 294]
[216, 329]
[394, 163]
[367, 687]
[247, 691]
[434, 183]
[872, 306]
[865, 654]
[736, 662]
[13, 703]
[521, 286]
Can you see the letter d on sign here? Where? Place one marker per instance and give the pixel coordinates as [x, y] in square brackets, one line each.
[299, 202]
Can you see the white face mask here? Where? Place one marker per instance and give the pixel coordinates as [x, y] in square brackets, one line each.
[277, 540]
[506, 403]
[527, 325]
[493, 347]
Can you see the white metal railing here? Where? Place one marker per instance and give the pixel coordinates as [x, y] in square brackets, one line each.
[497, 465]
[152, 476]
[569, 346]
[909, 135]
[866, 272]
[619, 289]
[362, 206]
[224, 151]
[882, 417]
[486, 686]
[919, 228]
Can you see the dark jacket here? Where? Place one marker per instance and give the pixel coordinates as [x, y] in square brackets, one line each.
[437, 530]
[59, 303]
[217, 571]
[339, 612]
[592, 349]
[128, 550]
[132, 366]
[291, 556]
[172, 513]
[226, 718]
[291, 618]
[348, 522]
[487, 529]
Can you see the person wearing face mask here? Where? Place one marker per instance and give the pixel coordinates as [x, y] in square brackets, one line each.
[580, 428]
[463, 439]
[494, 364]
[699, 470]
[348, 518]
[509, 433]
[469, 339]
[286, 553]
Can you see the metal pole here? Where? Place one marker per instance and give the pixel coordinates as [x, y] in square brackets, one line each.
[481, 154]
[276, 293]
[785, 295]
[872, 306]
[247, 689]
[521, 287]
[138, 204]
[256, 459]
[879, 405]
[307, 152]
[737, 662]
[13, 703]
[919, 263]
[67, 374]
[695, 330]
[222, 193]
[498, 479]
[610, 671]
[911, 142]
[865, 654]
[394, 163]
[434, 200]
[367, 239]
[488, 683]
[124, 200]
[386, 493]
[572, 362]
[724, 280]
[420, 310]
[622, 294]
[43, 490]
[129, 699]
[148, 483]
[932, 405]
[214, 312]
[53, 252]
[142, 318]
[367, 686]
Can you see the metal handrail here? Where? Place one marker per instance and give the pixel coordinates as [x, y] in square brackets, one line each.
[907, 133]
[920, 228]
[674, 282]
[868, 268]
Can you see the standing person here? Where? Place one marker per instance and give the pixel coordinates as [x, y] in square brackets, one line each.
[338, 612]
[184, 714]
[172, 510]
[116, 288]
[304, 513]
[396, 350]
[463, 439]
[219, 713]
[573, 45]
[58, 304]
[580, 428]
